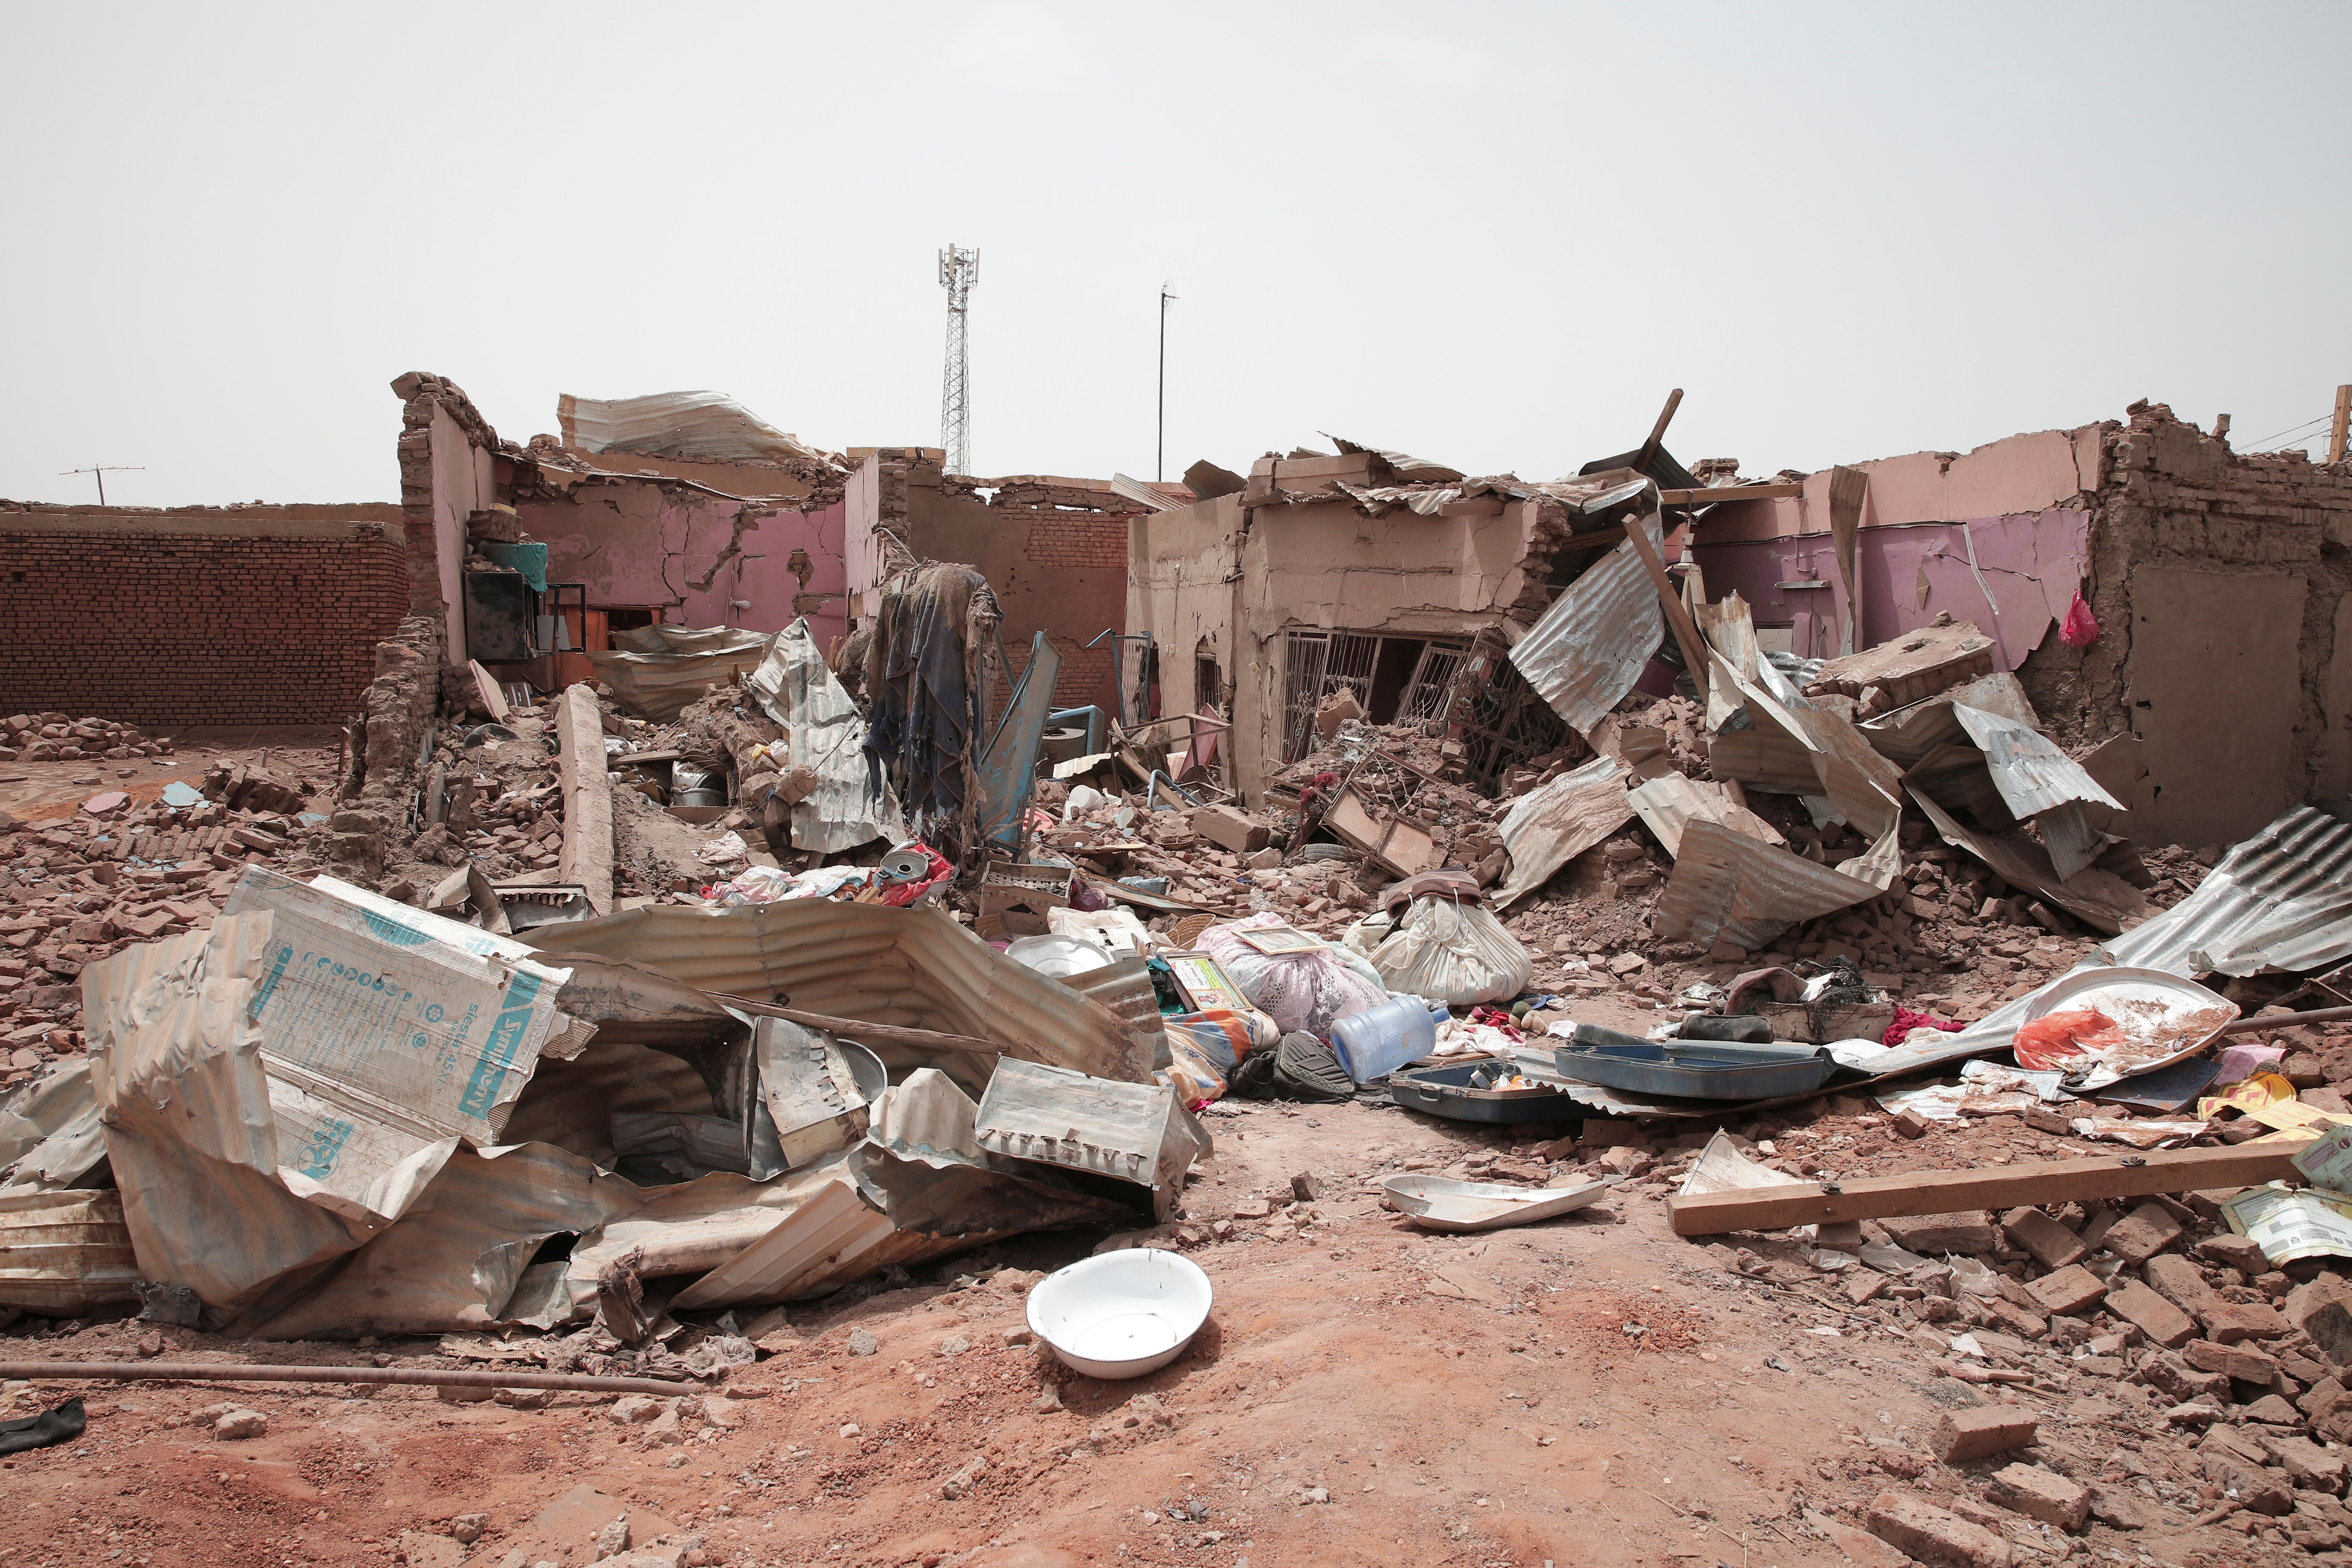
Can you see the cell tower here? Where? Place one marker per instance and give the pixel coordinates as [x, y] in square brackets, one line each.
[959, 270]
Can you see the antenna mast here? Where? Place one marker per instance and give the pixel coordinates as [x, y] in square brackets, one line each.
[102, 473]
[959, 270]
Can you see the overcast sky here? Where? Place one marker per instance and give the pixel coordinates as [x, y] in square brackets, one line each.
[1494, 235]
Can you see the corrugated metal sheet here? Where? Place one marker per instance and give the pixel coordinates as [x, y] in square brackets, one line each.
[658, 677]
[1552, 824]
[1906, 735]
[1670, 801]
[2281, 900]
[1727, 887]
[824, 731]
[62, 1254]
[2031, 773]
[1125, 988]
[1590, 647]
[1007, 769]
[693, 427]
[50, 1133]
[912, 967]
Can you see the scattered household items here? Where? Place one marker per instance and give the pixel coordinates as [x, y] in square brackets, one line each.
[1375, 1042]
[1492, 1091]
[1693, 1070]
[1121, 1314]
[1441, 1203]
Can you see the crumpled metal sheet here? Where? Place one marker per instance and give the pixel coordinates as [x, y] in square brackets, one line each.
[2031, 773]
[1906, 735]
[1670, 801]
[64, 1253]
[913, 967]
[1554, 823]
[2096, 898]
[692, 427]
[50, 1133]
[1586, 651]
[1007, 768]
[658, 670]
[1727, 887]
[823, 732]
[1132, 1132]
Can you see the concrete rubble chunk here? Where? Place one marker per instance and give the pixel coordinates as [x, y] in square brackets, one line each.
[1960, 1436]
[1930, 1535]
[2234, 1360]
[2321, 1310]
[2125, 1509]
[233, 1425]
[2241, 1253]
[2041, 1494]
[2305, 1462]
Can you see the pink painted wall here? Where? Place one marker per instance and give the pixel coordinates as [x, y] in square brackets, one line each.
[2031, 565]
[2019, 474]
[634, 543]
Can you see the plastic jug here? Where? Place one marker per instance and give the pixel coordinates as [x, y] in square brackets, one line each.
[1377, 1041]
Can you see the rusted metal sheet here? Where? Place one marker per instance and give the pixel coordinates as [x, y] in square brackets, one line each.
[1007, 767]
[64, 1253]
[912, 967]
[823, 732]
[1908, 734]
[1554, 823]
[1590, 647]
[1727, 887]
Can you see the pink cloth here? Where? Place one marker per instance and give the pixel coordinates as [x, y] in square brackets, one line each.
[1905, 1020]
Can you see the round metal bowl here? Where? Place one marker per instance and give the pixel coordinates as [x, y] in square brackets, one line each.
[1121, 1314]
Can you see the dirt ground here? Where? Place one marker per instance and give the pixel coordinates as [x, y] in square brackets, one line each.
[1593, 1390]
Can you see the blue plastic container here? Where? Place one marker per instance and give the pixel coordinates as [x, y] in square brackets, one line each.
[1377, 1041]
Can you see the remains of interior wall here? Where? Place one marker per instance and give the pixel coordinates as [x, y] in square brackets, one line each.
[445, 451]
[1184, 588]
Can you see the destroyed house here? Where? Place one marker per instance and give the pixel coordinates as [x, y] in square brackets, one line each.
[2209, 658]
[1053, 550]
[1400, 582]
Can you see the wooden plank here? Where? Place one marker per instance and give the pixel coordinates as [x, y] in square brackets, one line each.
[1694, 646]
[486, 685]
[1714, 493]
[1992, 1187]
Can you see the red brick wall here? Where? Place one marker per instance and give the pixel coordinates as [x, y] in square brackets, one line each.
[161, 629]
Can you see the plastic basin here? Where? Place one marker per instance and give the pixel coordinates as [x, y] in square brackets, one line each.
[1121, 1314]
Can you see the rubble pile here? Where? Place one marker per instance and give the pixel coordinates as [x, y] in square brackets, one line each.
[61, 737]
[118, 873]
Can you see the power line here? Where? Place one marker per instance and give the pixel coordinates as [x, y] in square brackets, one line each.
[2264, 445]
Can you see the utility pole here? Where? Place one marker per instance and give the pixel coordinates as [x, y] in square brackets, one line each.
[2341, 425]
[131, 468]
[959, 271]
[1160, 463]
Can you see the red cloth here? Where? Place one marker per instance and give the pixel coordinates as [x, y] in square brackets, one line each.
[906, 893]
[1500, 1019]
[1906, 1021]
[2077, 629]
[2050, 1038]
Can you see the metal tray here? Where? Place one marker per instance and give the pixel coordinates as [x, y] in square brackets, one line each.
[1696, 1071]
[1448, 1091]
[1440, 1203]
[2180, 1003]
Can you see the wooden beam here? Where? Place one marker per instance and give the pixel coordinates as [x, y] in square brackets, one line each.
[580, 762]
[1657, 432]
[1715, 494]
[1694, 646]
[1992, 1187]
[2340, 428]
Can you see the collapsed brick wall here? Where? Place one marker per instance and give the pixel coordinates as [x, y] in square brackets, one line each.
[158, 628]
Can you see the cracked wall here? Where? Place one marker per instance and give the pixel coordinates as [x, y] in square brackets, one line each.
[703, 560]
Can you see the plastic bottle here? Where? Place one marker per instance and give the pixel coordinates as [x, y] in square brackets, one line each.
[1377, 1041]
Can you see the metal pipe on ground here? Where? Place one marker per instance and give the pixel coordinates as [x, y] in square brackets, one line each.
[423, 1376]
